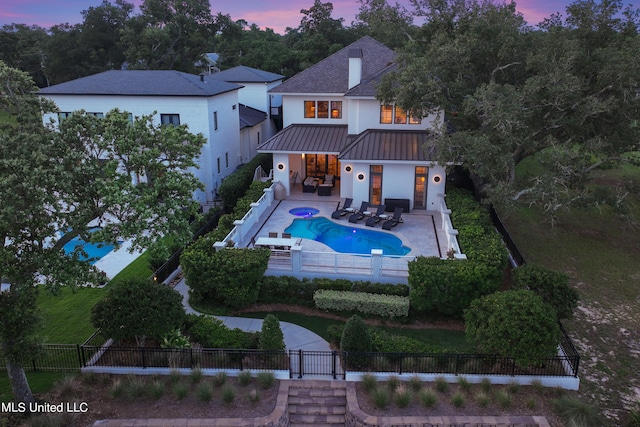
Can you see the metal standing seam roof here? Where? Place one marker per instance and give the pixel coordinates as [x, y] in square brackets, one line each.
[308, 139]
[142, 83]
[244, 74]
[250, 117]
[391, 145]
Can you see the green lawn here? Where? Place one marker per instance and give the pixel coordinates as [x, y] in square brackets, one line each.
[67, 315]
[599, 250]
[40, 382]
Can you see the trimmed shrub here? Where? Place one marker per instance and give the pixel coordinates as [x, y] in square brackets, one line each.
[231, 276]
[236, 184]
[212, 333]
[515, 324]
[271, 337]
[552, 286]
[385, 342]
[356, 338]
[379, 305]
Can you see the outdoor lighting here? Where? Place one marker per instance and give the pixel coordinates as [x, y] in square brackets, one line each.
[437, 179]
[360, 177]
[280, 166]
[348, 168]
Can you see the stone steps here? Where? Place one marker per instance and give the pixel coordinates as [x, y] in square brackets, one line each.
[317, 403]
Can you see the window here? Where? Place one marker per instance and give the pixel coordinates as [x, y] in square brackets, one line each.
[375, 184]
[215, 120]
[390, 114]
[98, 115]
[219, 165]
[62, 116]
[170, 119]
[226, 160]
[321, 110]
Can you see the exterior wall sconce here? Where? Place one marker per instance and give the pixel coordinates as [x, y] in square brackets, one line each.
[437, 179]
[360, 177]
[280, 166]
[348, 168]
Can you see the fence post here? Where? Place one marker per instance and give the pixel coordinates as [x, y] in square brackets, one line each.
[144, 363]
[241, 357]
[79, 355]
[333, 364]
[513, 367]
[400, 364]
[300, 361]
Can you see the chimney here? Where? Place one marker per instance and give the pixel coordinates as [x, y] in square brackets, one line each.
[355, 67]
[202, 77]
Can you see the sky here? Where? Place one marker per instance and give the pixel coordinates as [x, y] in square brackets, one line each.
[274, 14]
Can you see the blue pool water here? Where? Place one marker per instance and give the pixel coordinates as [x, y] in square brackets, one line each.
[94, 251]
[346, 239]
[304, 212]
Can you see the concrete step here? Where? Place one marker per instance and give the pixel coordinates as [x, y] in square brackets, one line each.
[317, 410]
[317, 401]
[317, 392]
[316, 419]
[341, 424]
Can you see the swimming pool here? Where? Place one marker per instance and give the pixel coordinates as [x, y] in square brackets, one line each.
[94, 251]
[346, 239]
[304, 212]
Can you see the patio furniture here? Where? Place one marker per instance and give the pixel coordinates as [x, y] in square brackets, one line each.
[376, 217]
[329, 179]
[309, 185]
[394, 220]
[359, 214]
[324, 189]
[276, 243]
[393, 203]
[342, 211]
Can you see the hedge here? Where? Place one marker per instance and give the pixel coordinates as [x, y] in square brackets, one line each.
[236, 184]
[390, 306]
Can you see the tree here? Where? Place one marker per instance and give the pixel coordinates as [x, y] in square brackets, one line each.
[552, 286]
[169, 35]
[271, 337]
[24, 48]
[514, 324]
[356, 338]
[390, 25]
[564, 97]
[58, 181]
[229, 276]
[138, 309]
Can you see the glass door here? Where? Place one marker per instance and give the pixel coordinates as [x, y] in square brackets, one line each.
[420, 188]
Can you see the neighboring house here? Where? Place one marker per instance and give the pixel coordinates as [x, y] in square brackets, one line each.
[254, 94]
[207, 106]
[334, 125]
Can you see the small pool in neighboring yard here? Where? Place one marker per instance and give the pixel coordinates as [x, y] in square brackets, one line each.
[94, 251]
[304, 212]
[346, 239]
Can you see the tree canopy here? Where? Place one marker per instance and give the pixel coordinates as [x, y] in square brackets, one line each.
[130, 179]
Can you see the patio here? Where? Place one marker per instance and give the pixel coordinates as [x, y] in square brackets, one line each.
[421, 230]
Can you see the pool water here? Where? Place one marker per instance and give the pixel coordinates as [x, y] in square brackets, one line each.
[346, 239]
[94, 251]
[304, 212]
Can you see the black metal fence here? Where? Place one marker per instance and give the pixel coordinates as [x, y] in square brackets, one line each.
[506, 237]
[299, 363]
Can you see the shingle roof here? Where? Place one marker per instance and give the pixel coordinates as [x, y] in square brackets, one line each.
[250, 117]
[376, 144]
[142, 83]
[329, 139]
[242, 74]
[331, 75]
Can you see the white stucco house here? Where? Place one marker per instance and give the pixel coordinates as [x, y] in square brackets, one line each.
[205, 105]
[334, 125]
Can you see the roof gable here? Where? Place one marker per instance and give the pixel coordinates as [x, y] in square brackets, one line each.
[331, 75]
[243, 74]
[142, 83]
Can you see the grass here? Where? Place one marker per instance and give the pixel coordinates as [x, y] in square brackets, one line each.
[452, 340]
[67, 315]
[40, 382]
[598, 250]
[136, 269]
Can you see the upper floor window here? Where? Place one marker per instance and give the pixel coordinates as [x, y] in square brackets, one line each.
[390, 114]
[63, 115]
[170, 119]
[98, 115]
[215, 120]
[322, 109]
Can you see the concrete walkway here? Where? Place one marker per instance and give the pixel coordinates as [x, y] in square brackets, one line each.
[295, 337]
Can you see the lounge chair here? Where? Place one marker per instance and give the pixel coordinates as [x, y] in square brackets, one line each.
[376, 216]
[342, 211]
[394, 220]
[359, 214]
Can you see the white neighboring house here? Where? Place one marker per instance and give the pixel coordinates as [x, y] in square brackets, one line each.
[207, 106]
[256, 99]
[334, 125]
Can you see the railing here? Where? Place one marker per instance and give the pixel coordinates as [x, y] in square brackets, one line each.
[506, 238]
[243, 226]
[450, 232]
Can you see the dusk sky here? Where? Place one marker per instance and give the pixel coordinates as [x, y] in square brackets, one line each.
[275, 14]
